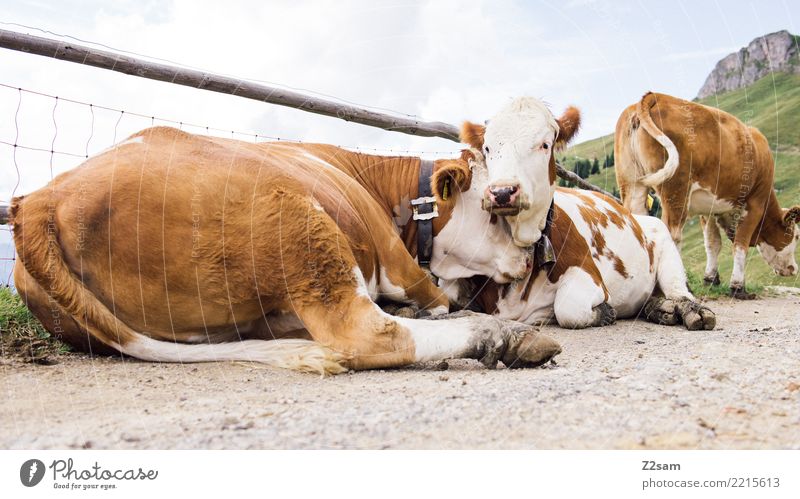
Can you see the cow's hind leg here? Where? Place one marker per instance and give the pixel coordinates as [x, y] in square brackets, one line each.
[61, 325]
[673, 303]
[713, 244]
[325, 288]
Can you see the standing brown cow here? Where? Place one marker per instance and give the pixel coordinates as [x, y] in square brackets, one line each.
[704, 161]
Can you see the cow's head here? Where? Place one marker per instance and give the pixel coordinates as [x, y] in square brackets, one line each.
[472, 241]
[518, 145]
[779, 242]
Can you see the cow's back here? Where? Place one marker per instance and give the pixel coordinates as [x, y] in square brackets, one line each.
[716, 150]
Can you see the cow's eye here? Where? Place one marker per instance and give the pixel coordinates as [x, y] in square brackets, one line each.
[486, 149]
[545, 146]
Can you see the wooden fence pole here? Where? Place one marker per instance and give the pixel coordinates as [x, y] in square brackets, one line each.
[88, 56]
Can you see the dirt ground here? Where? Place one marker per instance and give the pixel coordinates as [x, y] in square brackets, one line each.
[631, 385]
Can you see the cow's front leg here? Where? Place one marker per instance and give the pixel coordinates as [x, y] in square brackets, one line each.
[581, 302]
[403, 281]
[467, 334]
[738, 289]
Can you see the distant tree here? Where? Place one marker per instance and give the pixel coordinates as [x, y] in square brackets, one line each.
[585, 168]
[595, 166]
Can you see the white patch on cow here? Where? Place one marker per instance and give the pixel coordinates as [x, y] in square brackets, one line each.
[402, 213]
[782, 262]
[739, 260]
[322, 162]
[316, 205]
[362, 288]
[538, 308]
[469, 244]
[139, 139]
[451, 288]
[300, 355]
[703, 202]
[195, 338]
[713, 244]
[440, 310]
[440, 339]
[513, 146]
[389, 290]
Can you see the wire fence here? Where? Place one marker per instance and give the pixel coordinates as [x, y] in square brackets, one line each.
[33, 156]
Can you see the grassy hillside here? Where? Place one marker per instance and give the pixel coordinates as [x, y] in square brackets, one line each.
[772, 105]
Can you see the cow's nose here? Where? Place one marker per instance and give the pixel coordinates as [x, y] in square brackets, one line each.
[792, 270]
[503, 195]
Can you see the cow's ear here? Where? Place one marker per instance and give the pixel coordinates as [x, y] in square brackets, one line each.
[568, 125]
[472, 135]
[792, 216]
[449, 176]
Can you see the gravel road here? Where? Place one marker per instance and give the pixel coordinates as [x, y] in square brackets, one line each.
[631, 385]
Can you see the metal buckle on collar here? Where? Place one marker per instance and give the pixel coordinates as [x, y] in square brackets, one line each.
[416, 203]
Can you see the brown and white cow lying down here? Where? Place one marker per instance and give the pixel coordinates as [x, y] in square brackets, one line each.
[608, 262]
[704, 161]
[183, 248]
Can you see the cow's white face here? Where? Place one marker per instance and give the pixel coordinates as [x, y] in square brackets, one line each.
[782, 261]
[518, 145]
[473, 242]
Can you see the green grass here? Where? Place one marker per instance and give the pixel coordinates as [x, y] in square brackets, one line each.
[22, 337]
[595, 148]
[772, 104]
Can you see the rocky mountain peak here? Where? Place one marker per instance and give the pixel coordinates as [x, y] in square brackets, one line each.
[776, 52]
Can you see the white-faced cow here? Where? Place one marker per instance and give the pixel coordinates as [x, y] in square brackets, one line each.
[594, 260]
[181, 248]
[704, 161]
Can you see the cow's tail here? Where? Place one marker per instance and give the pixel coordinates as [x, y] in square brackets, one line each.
[671, 165]
[37, 242]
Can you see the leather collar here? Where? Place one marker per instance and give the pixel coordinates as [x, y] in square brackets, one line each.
[425, 210]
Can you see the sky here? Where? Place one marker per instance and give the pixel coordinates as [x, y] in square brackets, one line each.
[441, 60]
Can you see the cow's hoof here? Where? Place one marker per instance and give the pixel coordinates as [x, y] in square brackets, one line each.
[409, 312]
[740, 293]
[527, 347]
[712, 280]
[696, 316]
[661, 311]
[603, 315]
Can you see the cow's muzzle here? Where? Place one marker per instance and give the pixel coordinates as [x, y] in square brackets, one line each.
[504, 199]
